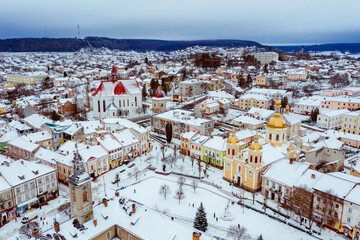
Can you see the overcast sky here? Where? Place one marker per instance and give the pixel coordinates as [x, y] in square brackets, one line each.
[265, 21]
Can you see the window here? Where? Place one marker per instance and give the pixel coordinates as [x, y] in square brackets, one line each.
[267, 182]
[108, 235]
[256, 159]
[250, 174]
[8, 194]
[239, 168]
[270, 136]
[350, 210]
[119, 232]
[10, 203]
[85, 198]
[104, 107]
[18, 190]
[348, 220]
[40, 181]
[129, 237]
[26, 187]
[99, 106]
[287, 191]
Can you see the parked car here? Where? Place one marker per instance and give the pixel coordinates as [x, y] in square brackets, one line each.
[29, 218]
[131, 165]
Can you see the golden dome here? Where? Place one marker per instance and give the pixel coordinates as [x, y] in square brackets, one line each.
[255, 146]
[233, 139]
[276, 121]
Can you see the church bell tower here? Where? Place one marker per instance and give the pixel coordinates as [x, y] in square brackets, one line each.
[80, 191]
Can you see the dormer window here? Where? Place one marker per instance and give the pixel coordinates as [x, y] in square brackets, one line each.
[36, 172]
[22, 177]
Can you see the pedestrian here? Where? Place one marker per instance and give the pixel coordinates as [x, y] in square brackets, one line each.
[134, 191]
[217, 219]
[214, 215]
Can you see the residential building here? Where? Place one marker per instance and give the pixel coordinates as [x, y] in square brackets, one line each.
[351, 214]
[337, 103]
[26, 78]
[182, 121]
[330, 119]
[350, 122]
[6, 202]
[32, 184]
[214, 149]
[190, 88]
[266, 57]
[248, 100]
[158, 101]
[22, 149]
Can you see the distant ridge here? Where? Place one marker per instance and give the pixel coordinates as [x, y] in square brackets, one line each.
[342, 47]
[141, 45]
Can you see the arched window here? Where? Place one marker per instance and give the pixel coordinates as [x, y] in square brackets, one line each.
[135, 102]
[104, 105]
[256, 159]
[239, 169]
[270, 136]
[283, 136]
[277, 137]
[98, 105]
[233, 152]
[128, 102]
[228, 151]
[250, 158]
[119, 103]
[259, 159]
[85, 198]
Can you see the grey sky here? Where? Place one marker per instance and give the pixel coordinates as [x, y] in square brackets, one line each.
[265, 21]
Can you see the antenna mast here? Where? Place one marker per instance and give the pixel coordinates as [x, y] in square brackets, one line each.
[78, 28]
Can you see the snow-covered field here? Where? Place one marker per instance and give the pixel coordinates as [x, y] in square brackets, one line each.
[144, 188]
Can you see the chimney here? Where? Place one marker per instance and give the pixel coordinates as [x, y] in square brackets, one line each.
[95, 222]
[313, 176]
[311, 167]
[67, 152]
[42, 133]
[105, 202]
[75, 145]
[57, 226]
[133, 208]
[196, 235]
[22, 162]
[291, 160]
[87, 147]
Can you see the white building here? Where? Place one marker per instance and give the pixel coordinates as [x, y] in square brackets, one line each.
[116, 98]
[266, 57]
[330, 119]
[32, 183]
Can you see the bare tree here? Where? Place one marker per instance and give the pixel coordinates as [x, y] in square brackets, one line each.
[65, 208]
[194, 184]
[164, 190]
[206, 168]
[181, 181]
[198, 161]
[180, 194]
[28, 229]
[136, 173]
[117, 179]
[237, 232]
[163, 150]
[170, 161]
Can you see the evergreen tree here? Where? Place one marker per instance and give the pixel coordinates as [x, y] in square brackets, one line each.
[200, 221]
[284, 102]
[154, 83]
[169, 132]
[314, 113]
[265, 69]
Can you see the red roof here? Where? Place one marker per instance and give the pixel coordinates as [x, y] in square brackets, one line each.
[120, 89]
[159, 93]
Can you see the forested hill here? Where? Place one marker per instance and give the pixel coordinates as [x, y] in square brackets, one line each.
[74, 44]
[342, 47]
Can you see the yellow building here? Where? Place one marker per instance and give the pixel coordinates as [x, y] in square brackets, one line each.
[249, 100]
[276, 127]
[245, 168]
[26, 78]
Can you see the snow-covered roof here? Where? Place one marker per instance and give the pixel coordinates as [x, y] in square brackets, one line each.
[216, 142]
[248, 120]
[183, 117]
[108, 142]
[308, 179]
[126, 137]
[354, 195]
[47, 155]
[24, 144]
[145, 223]
[337, 184]
[22, 171]
[37, 120]
[285, 173]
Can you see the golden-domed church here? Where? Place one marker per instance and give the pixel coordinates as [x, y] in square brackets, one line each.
[245, 167]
